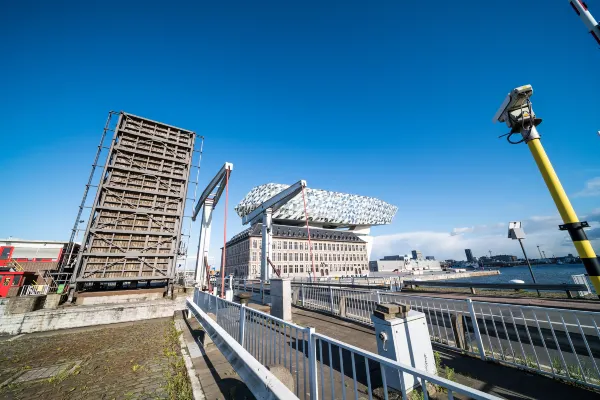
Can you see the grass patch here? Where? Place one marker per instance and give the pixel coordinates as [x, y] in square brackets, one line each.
[178, 386]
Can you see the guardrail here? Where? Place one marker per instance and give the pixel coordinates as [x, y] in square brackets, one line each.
[561, 343]
[563, 287]
[320, 365]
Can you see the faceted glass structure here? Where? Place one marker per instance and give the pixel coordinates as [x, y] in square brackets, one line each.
[323, 206]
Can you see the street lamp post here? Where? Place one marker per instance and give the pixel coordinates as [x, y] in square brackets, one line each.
[516, 232]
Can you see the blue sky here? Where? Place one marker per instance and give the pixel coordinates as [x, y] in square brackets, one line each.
[386, 99]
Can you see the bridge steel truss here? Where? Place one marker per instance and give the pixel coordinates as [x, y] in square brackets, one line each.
[134, 229]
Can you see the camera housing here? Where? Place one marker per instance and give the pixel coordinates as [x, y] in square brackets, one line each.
[514, 101]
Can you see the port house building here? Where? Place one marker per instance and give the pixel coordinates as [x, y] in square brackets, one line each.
[339, 224]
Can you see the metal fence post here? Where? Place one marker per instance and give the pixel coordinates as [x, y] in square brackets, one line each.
[331, 301]
[245, 283]
[378, 297]
[242, 324]
[302, 294]
[476, 329]
[312, 364]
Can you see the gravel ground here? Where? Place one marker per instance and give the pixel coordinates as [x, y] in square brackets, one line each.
[121, 361]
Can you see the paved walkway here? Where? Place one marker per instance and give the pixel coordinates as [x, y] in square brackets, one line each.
[574, 304]
[217, 377]
[119, 361]
[505, 382]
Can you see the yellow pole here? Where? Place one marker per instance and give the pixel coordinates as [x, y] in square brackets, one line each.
[571, 222]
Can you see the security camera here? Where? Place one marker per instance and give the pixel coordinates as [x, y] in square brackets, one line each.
[514, 101]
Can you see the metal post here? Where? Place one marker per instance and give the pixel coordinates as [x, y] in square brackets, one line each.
[331, 300]
[242, 324]
[528, 264]
[302, 294]
[200, 273]
[476, 329]
[262, 292]
[571, 222]
[312, 364]
[378, 297]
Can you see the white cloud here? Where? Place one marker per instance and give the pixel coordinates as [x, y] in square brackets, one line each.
[592, 188]
[540, 230]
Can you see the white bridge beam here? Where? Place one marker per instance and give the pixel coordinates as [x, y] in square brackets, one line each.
[207, 202]
[265, 211]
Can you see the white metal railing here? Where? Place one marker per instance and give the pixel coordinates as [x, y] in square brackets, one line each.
[320, 365]
[582, 280]
[31, 290]
[561, 343]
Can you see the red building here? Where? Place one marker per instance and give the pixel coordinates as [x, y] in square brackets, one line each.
[36, 256]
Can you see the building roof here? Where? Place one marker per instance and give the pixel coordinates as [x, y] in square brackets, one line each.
[296, 232]
[11, 241]
[330, 208]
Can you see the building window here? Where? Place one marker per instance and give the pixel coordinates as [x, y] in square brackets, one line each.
[278, 245]
[285, 245]
[296, 256]
[284, 256]
[301, 269]
[253, 256]
[278, 256]
[296, 268]
[301, 256]
[285, 269]
[254, 244]
[295, 245]
[290, 245]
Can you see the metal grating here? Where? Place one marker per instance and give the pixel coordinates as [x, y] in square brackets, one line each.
[135, 225]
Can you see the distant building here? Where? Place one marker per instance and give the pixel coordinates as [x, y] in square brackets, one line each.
[403, 264]
[469, 254]
[504, 258]
[432, 258]
[417, 255]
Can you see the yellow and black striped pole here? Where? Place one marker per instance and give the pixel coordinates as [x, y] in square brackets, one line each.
[571, 223]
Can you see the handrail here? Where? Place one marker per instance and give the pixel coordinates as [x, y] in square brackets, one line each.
[388, 362]
[562, 287]
[261, 382]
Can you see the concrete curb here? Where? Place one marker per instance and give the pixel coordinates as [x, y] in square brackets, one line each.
[185, 351]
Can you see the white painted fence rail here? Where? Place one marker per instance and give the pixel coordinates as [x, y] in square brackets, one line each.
[561, 343]
[320, 365]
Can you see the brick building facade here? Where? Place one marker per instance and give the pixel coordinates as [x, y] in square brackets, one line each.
[335, 252]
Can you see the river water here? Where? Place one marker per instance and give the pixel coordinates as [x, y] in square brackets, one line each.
[548, 273]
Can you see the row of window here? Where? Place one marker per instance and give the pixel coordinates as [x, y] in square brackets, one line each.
[289, 245]
[300, 268]
[317, 257]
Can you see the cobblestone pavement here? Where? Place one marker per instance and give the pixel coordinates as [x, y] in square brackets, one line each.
[121, 361]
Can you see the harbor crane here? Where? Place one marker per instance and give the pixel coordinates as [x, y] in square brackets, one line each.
[265, 212]
[207, 202]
